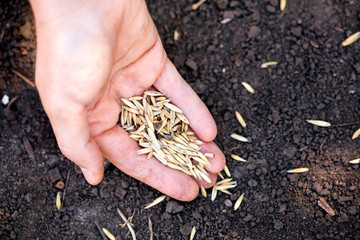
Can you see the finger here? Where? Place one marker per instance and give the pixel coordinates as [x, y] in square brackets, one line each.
[72, 133]
[117, 147]
[181, 94]
[218, 161]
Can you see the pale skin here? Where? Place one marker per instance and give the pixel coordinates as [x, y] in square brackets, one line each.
[87, 52]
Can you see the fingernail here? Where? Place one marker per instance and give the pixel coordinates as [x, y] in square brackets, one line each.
[88, 175]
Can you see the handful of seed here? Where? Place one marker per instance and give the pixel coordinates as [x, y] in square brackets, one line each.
[161, 129]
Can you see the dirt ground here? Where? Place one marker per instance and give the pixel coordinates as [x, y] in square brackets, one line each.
[316, 78]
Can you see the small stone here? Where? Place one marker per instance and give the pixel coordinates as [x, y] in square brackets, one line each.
[290, 152]
[191, 64]
[357, 67]
[15, 214]
[278, 225]
[252, 183]
[248, 218]
[28, 197]
[297, 31]
[228, 203]
[25, 30]
[254, 31]
[54, 174]
[185, 229]
[282, 208]
[120, 192]
[174, 207]
[344, 199]
[104, 193]
[270, 9]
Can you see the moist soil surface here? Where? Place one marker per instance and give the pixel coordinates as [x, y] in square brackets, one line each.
[316, 78]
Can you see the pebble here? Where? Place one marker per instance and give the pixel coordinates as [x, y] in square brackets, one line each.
[174, 207]
[278, 225]
[254, 31]
[54, 174]
[228, 203]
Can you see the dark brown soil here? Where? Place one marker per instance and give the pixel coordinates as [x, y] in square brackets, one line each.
[316, 78]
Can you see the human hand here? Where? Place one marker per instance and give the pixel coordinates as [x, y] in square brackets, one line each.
[87, 52]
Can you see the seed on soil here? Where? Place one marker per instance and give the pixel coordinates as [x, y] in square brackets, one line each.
[108, 234]
[176, 35]
[267, 64]
[225, 20]
[203, 191]
[155, 202]
[237, 158]
[356, 134]
[192, 234]
[58, 201]
[282, 5]
[324, 205]
[248, 87]
[195, 6]
[220, 175]
[298, 170]
[213, 193]
[128, 223]
[161, 129]
[351, 39]
[239, 137]
[227, 171]
[319, 123]
[239, 201]
[240, 119]
[355, 161]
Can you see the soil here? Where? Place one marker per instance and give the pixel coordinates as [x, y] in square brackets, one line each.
[316, 78]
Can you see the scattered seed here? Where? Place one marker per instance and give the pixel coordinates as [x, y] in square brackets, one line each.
[203, 191]
[227, 171]
[195, 6]
[176, 35]
[240, 119]
[298, 170]
[267, 64]
[237, 158]
[155, 202]
[108, 234]
[58, 201]
[324, 205]
[351, 39]
[319, 123]
[239, 201]
[356, 134]
[282, 5]
[128, 223]
[248, 87]
[213, 193]
[220, 175]
[355, 161]
[225, 20]
[239, 137]
[192, 234]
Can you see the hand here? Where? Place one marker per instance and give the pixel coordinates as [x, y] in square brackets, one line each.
[87, 51]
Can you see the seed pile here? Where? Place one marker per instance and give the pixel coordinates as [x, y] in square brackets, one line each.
[162, 131]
